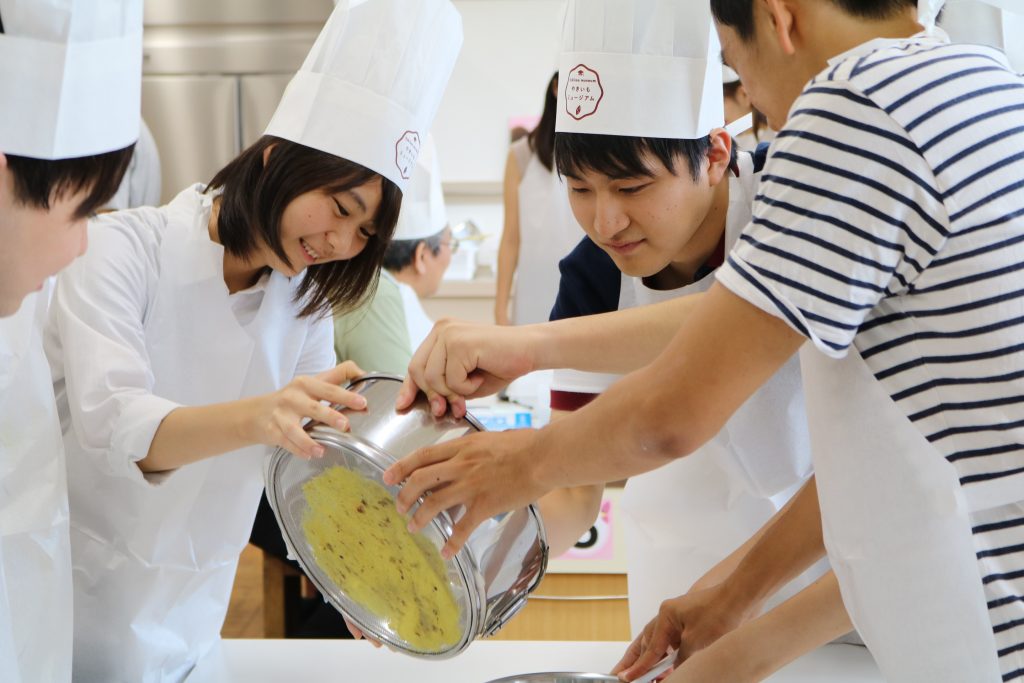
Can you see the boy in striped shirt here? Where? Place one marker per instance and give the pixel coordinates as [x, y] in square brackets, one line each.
[887, 233]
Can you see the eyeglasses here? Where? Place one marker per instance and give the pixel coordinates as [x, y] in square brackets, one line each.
[453, 244]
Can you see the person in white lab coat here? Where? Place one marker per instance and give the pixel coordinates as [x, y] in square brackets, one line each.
[62, 154]
[886, 234]
[195, 337]
[539, 228]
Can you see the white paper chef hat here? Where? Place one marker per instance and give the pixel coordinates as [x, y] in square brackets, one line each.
[928, 12]
[70, 76]
[999, 23]
[371, 85]
[423, 213]
[642, 68]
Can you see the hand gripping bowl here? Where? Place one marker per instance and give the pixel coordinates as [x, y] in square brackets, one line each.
[339, 520]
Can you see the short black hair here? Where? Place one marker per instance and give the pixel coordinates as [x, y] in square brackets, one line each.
[400, 253]
[622, 156]
[739, 14]
[256, 195]
[37, 182]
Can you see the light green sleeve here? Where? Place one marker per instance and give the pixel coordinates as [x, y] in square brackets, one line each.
[375, 335]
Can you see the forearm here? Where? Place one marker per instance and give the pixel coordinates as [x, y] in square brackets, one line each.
[190, 434]
[764, 645]
[567, 514]
[508, 248]
[508, 260]
[619, 436]
[812, 618]
[669, 408]
[790, 543]
[616, 342]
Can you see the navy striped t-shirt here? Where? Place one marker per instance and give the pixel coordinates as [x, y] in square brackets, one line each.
[890, 216]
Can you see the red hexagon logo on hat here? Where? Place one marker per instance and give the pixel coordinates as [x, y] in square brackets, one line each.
[407, 150]
[583, 92]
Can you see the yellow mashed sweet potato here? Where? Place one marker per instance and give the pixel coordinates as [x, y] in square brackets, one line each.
[361, 542]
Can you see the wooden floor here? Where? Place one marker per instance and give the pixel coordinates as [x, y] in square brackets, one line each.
[604, 617]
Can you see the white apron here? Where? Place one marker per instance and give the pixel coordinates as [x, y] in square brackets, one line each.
[547, 232]
[155, 557]
[683, 518]
[35, 555]
[897, 531]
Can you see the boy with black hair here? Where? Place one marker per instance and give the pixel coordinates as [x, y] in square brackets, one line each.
[44, 207]
[664, 199]
[887, 234]
[68, 123]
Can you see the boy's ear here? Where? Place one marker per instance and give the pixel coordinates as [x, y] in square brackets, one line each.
[719, 156]
[783, 22]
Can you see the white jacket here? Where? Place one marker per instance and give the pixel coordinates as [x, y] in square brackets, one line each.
[140, 325]
[35, 555]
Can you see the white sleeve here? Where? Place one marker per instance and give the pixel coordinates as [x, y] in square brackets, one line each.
[98, 312]
[318, 351]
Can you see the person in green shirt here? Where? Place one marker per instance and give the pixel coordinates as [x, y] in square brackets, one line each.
[374, 335]
[381, 335]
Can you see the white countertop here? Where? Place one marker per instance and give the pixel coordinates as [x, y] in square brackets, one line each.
[346, 661]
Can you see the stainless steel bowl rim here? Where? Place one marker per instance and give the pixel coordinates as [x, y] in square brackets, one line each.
[468, 417]
[480, 621]
[471, 579]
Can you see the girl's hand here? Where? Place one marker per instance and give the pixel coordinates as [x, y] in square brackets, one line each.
[278, 418]
[358, 634]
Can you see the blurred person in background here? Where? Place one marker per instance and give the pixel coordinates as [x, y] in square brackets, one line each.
[737, 105]
[539, 227]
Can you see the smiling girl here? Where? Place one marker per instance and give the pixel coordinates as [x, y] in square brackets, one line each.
[196, 337]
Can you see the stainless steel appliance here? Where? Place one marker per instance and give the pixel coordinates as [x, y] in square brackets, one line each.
[213, 73]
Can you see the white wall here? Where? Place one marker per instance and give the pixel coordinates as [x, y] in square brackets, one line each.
[509, 53]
